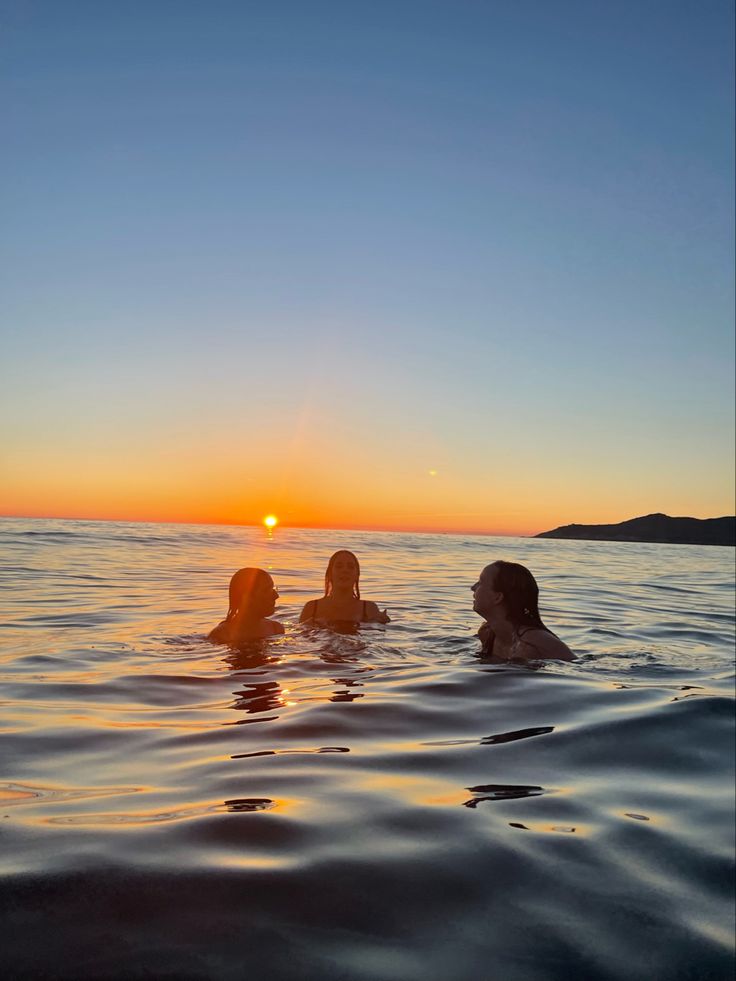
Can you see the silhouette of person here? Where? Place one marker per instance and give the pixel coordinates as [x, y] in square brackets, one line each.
[252, 599]
[341, 602]
[507, 596]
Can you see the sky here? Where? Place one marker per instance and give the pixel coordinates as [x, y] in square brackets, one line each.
[459, 266]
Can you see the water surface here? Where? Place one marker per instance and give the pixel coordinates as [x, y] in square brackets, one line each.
[381, 806]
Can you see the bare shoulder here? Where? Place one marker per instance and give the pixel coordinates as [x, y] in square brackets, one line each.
[541, 644]
[375, 615]
[262, 629]
[310, 609]
[219, 635]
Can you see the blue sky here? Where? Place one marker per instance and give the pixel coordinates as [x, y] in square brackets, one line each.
[467, 236]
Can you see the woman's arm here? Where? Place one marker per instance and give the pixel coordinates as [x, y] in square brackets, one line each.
[375, 615]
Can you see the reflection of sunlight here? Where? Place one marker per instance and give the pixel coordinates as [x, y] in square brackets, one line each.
[445, 800]
[246, 805]
[291, 752]
[236, 860]
[560, 829]
[111, 724]
[414, 789]
[7, 795]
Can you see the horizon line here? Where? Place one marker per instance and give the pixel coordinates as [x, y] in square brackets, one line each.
[357, 528]
[259, 524]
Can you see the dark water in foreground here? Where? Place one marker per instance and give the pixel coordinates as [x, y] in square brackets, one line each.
[375, 807]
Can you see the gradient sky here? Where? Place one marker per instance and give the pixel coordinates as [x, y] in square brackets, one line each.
[457, 266]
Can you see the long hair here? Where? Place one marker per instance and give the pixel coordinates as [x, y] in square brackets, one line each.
[243, 585]
[328, 573]
[520, 594]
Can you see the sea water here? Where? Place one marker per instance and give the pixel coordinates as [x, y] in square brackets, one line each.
[376, 806]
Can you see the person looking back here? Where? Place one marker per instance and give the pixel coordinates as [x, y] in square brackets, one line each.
[506, 595]
[341, 601]
[252, 598]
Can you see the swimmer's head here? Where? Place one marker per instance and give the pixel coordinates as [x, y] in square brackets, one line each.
[343, 570]
[509, 587]
[252, 594]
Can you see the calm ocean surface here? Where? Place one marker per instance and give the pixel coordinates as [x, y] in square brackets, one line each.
[380, 806]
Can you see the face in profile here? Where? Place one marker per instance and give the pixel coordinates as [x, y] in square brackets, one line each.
[264, 598]
[485, 595]
[344, 570]
[252, 593]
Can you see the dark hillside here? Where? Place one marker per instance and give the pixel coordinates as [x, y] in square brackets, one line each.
[654, 528]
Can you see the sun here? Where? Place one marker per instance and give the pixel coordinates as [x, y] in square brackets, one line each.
[270, 521]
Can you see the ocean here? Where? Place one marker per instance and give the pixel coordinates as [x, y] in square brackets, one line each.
[376, 806]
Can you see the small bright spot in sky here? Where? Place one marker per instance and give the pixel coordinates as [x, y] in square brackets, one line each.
[432, 473]
[270, 521]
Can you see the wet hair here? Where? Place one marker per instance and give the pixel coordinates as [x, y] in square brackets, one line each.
[328, 573]
[520, 594]
[243, 585]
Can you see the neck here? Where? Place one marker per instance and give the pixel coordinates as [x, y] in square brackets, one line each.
[247, 618]
[342, 593]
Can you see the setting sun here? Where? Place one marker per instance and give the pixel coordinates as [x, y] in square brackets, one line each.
[270, 521]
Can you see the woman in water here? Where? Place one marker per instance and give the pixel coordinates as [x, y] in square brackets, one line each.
[252, 599]
[507, 597]
[342, 602]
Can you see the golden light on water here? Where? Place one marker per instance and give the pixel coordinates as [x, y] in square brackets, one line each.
[270, 521]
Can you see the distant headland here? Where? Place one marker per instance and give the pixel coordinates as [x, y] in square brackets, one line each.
[654, 528]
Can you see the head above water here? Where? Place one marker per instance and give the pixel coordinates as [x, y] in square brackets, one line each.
[509, 588]
[252, 594]
[343, 571]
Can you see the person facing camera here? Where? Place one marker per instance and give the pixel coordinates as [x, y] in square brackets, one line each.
[507, 596]
[252, 599]
[341, 602]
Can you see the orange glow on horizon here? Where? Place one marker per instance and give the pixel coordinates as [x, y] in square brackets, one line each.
[303, 492]
[338, 524]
